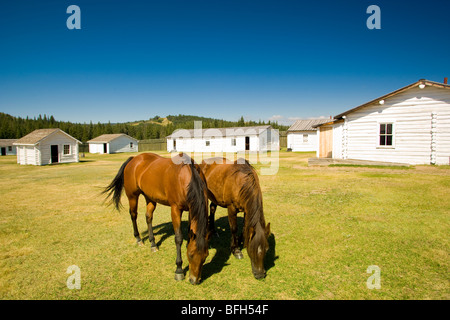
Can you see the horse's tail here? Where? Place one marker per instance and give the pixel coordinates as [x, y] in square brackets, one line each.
[198, 205]
[114, 189]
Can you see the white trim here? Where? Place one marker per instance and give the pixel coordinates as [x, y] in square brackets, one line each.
[379, 123]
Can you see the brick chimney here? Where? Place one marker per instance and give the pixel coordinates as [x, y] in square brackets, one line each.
[445, 80]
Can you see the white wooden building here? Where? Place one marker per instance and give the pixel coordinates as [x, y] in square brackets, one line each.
[113, 143]
[410, 125]
[46, 146]
[7, 148]
[235, 139]
[302, 136]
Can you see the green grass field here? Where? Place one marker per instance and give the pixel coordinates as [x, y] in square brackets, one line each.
[329, 224]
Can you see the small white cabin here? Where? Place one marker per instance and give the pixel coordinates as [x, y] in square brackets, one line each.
[236, 139]
[113, 143]
[302, 136]
[7, 148]
[410, 125]
[47, 146]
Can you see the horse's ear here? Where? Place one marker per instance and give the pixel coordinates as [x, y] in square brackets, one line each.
[267, 230]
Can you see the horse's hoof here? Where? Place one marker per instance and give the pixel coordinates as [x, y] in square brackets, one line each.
[238, 255]
[179, 276]
[140, 243]
[154, 249]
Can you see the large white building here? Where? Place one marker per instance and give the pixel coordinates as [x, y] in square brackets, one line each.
[113, 143]
[47, 146]
[410, 125]
[302, 136]
[236, 139]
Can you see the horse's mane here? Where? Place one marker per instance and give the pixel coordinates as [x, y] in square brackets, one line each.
[251, 195]
[197, 202]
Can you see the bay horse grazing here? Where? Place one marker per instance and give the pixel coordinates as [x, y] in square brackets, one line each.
[235, 186]
[177, 183]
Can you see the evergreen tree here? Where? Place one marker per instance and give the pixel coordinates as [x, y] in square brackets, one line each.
[241, 122]
[16, 127]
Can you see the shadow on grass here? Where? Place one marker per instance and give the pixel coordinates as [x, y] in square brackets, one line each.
[221, 244]
[87, 160]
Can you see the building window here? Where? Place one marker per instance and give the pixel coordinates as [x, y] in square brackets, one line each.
[66, 149]
[131, 145]
[386, 134]
[207, 143]
[233, 141]
[305, 138]
[9, 148]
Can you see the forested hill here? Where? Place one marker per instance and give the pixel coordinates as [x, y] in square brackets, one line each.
[156, 127]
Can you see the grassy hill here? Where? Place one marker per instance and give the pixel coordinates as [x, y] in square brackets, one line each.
[156, 120]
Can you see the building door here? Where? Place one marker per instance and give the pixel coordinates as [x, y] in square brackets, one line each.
[105, 148]
[175, 144]
[247, 143]
[3, 151]
[55, 157]
[326, 142]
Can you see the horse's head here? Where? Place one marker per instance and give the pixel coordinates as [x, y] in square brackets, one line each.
[197, 252]
[257, 248]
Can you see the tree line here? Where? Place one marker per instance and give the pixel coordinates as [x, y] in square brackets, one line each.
[16, 127]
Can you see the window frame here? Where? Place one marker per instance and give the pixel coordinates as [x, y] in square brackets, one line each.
[386, 134]
[305, 138]
[68, 153]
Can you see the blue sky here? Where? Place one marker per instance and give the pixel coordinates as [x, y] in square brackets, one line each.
[282, 59]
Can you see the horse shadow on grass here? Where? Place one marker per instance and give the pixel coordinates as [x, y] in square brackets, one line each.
[220, 243]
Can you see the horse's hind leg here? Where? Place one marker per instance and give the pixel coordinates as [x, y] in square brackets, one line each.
[133, 202]
[149, 217]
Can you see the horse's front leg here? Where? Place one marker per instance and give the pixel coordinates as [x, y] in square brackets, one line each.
[212, 226]
[232, 219]
[176, 221]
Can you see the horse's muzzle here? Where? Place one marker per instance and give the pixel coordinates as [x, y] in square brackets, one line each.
[259, 275]
[194, 281]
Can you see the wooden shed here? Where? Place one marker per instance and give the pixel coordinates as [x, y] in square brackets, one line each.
[113, 143]
[7, 148]
[410, 125]
[302, 135]
[235, 139]
[47, 146]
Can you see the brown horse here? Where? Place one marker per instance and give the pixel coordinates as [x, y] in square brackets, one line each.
[235, 185]
[177, 183]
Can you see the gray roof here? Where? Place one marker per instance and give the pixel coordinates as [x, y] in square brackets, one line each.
[214, 132]
[7, 142]
[105, 138]
[306, 125]
[38, 135]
